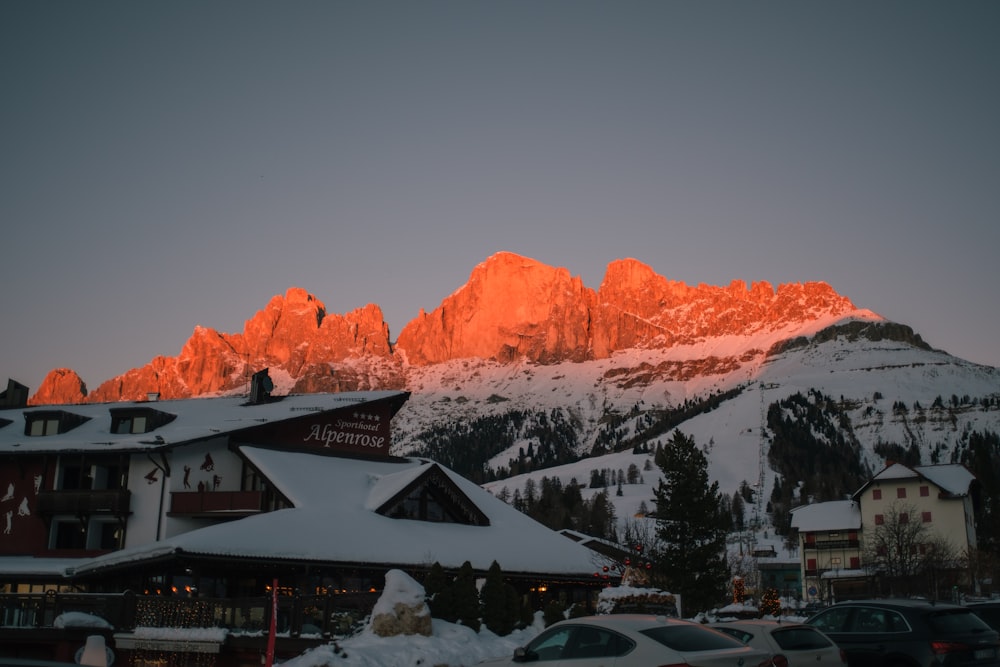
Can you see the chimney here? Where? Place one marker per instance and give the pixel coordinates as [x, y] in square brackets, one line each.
[15, 396]
[260, 387]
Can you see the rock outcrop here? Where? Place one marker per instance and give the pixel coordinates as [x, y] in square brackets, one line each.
[61, 385]
[512, 307]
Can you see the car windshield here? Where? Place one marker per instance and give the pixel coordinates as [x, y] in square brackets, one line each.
[691, 638]
[956, 621]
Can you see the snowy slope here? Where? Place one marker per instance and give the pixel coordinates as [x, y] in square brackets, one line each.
[870, 376]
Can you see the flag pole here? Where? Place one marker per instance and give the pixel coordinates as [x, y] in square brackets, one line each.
[269, 658]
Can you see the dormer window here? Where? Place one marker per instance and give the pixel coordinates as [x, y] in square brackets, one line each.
[51, 422]
[138, 419]
[433, 497]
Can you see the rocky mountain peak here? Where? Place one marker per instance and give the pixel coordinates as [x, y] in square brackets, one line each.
[511, 308]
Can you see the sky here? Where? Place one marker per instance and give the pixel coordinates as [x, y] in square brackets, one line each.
[172, 165]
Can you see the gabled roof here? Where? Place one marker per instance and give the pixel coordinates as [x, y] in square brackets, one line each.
[335, 521]
[197, 419]
[828, 516]
[952, 478]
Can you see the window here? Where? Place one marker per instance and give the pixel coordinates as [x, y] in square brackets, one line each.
[91, 474]
[835, 562]
[925, 517]
[44, 427]
[879, 519]
[901, 492]
[433, 496]
[51, 422]
[904, 517]
[876, 494]
[691, 638]
[67, 534]
[832, 620]
[855, 562]
[97, 534]
[800, 638]
[925, 491]
[131, 425]
[811, 564]
[138, 419]
[104, 535]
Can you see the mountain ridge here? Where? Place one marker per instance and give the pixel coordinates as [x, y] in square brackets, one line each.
[571, 380]
[511, 308]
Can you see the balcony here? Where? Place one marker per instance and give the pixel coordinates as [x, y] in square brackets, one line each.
[79, 502]
[832, 544]
[213, 503]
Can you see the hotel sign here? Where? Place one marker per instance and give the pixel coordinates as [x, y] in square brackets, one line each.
[360, 429]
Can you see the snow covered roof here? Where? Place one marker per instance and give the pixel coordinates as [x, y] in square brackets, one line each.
[196, 419]
[952, 478]
[32, 567]
[831, 515]
[334, 521]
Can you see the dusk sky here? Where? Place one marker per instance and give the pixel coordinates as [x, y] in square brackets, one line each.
[172, 164]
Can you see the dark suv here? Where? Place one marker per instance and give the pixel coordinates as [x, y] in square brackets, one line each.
[988, 611]
[909, 633]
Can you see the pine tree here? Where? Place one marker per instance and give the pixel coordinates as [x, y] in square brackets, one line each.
[466, 598]
[500, 608]
[691, 526]
[437, 589]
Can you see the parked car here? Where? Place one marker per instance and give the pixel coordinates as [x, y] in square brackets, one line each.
[791, 644]
[909, 633]
[988, 611]
[633, 640]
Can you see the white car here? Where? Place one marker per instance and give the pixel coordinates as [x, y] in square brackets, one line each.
[792, 644]
[632, 640]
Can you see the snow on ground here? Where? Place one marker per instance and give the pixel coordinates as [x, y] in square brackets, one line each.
[449, 644]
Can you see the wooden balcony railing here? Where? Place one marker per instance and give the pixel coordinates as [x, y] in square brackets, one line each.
[114, 502]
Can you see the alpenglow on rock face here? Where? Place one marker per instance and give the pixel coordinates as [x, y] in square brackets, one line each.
[512, 308]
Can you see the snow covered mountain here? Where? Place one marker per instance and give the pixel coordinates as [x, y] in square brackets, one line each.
[524, 366]
[890, 392]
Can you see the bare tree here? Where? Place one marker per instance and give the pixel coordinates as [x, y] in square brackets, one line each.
[906, 554]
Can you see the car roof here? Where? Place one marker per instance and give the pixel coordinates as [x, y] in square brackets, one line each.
[628, 621]
[902, 603]
[986, 603]
[759, 623]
